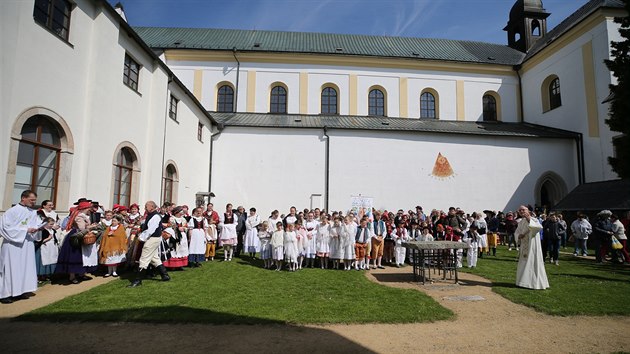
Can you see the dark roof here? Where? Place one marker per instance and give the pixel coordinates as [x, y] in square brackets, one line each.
[388, 124]
[329, 43]
[596, 196]
[575, 18]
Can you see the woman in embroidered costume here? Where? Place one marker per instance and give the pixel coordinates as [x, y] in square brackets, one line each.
[252, 243]
[197, 226]
[113, 247]
[179, 255]
[228, 238]
[47, 250]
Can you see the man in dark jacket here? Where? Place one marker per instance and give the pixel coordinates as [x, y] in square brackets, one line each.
[602, 232]
[240, 229]
[553, 231]
[456, 220]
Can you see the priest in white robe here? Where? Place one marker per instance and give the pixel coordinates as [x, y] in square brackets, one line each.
[19, 228]
[530, 272]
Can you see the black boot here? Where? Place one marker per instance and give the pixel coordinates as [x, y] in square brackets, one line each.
[138, 281]
[163, 273]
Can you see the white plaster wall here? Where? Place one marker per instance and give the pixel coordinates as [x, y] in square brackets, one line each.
[82, 83]
[267, 168]
[284, 166]
[567, 64]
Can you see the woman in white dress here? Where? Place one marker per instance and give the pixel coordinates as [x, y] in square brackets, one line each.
[310, 243]
[335, 242]
[264, 236]
[273, 220]
[197, 228]
[252, 243]
[482, 231]
[323, 241]
[228, 238]
[530, 272]
[291, 248]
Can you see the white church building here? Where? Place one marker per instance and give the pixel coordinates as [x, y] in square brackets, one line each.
[94, 107]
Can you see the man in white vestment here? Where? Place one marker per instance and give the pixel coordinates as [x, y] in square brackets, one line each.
[19, 228]
[530, 272]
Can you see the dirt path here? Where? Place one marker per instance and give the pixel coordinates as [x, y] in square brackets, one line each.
[490, 325]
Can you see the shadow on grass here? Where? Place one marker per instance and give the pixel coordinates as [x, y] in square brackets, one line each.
[395, 277]
[173, 336]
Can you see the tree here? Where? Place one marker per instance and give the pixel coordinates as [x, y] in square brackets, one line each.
[619, 118]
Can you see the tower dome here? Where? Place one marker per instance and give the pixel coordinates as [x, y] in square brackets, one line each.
[527, 24]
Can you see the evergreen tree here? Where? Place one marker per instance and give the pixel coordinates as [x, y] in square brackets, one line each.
[619, 118]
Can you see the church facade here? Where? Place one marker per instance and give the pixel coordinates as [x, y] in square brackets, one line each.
[311, 119]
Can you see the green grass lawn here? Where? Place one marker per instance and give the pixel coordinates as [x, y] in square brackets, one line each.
[577, 286]
[238, 292]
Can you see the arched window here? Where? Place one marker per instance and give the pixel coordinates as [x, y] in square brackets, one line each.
[170, 177]
[555, 100]
[225, 99]
[427, 105]
[123, 173]
[278, 100]
[329, 101]
[37, 165]
[536, 28]
[489, 108]
[376, 103]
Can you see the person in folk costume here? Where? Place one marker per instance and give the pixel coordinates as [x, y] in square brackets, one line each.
[291, 218]
[362, 237]
[74, 258]
[179, 242]
[213, 220]
[335, 242]
[151, 234]
[273, 219]
[379, 229]
[228, 237]
[472, 240]
[252, 243]
[134, 221]
[277, 245]
[450, 235]
[19, 229]
[530, 272]
[323, 241]
[264, 238]
[113, 247]
[46, 250]
[186, 214]
[300, 234]
[400, 236]
[198, 232]
[241, 218]
[47, 211]
[310, 243]
[347, 237]
[291, 247]
[482, 230]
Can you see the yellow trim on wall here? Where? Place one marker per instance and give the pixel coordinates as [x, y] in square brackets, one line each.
[198, 84]
[251, 91]
[403, 98]
[461, 113]
[338, 60]
[353, 94]
[589, 89]
[303, 93]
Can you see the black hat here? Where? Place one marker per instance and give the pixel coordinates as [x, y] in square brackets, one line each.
[81, 200]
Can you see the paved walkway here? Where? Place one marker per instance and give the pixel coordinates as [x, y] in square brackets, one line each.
[490, 325]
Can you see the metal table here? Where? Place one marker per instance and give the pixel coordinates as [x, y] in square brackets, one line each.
[440, 256]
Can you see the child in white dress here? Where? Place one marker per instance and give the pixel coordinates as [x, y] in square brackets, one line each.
[400, 236]
[335, 237]
[323, 241]
[264, 236]
[300, 233]
[472, 240]
[277, 245]
[348, 232]
[291, 247]
[310, 243]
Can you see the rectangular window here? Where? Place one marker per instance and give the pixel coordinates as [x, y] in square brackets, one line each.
[131, 73]
[54, 15]
[200, 132]
[172, 110]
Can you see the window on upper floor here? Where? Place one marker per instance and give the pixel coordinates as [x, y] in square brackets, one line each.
[225, 99]
[489, 108]
[123, 176]
[555, 100]
[428, 105]
[329, 101]
[376, 103]
[278, 100]
[54, 15]
[131, 74]
[169, 181]
[172, 109]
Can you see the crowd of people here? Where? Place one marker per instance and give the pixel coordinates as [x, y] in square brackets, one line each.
[91, 240]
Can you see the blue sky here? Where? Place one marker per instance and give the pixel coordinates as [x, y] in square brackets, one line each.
[478, 20]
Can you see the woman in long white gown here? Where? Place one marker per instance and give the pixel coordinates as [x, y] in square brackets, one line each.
[530, 272]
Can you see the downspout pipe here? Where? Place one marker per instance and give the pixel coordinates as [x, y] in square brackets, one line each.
[579, 140]
[327, 166]
[220, 128]
[238, 71]
[168, 102]
[517, 68]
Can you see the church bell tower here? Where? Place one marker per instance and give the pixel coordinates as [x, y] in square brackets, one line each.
[527, 24]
